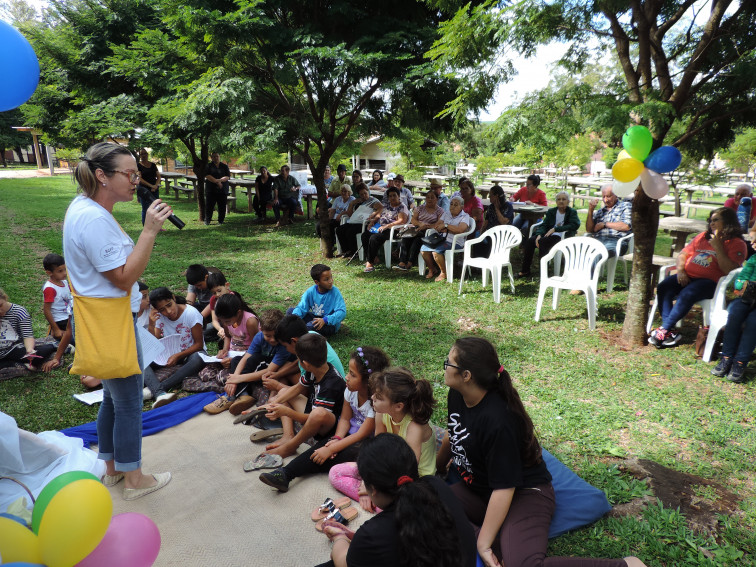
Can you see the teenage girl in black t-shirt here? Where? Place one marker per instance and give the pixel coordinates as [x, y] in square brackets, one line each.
[506, 488]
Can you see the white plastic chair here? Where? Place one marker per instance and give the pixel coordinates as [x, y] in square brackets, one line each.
[387, 246]
[718, 312]
[503, 239]
[344, 220]
[611, 264]
[664, 272]
[449, 254]
[579, 255]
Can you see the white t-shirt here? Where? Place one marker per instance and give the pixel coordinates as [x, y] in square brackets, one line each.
[359, 413]
[93, 242]
[559, 221]
[61, 305]
[182, 326]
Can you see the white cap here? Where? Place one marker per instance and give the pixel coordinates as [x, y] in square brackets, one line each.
[390, 176]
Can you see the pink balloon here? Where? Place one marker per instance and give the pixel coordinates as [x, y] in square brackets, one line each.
[132, 540]
[654, 185]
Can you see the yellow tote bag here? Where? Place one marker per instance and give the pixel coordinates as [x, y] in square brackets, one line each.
[105, 339]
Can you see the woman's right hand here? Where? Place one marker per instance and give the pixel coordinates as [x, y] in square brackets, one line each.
[156, 215]
[154, 316]
[683, 278]
[488, 557]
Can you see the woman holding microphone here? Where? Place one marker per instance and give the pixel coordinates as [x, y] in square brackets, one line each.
[104, 265]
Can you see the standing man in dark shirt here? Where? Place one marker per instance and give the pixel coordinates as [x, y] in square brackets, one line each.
[216, 188]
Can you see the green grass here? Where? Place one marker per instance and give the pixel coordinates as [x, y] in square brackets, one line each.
[593, 403]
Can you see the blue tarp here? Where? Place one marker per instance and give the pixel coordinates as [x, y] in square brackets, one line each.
[153, 421]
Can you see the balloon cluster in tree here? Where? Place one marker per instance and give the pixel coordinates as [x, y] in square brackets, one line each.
[20, 68]
[73, 525]
[635, 164]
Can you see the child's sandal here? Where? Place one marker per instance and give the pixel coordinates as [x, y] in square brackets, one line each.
[341, 516]
[322, 511]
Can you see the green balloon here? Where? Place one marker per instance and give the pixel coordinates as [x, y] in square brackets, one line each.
[51, 489]
[637, 141]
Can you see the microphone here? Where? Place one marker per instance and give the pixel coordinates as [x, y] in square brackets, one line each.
[146, 194]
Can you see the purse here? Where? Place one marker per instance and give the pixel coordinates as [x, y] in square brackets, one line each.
[749, 295]
[105, 338]
[407, 231]
[436, 239]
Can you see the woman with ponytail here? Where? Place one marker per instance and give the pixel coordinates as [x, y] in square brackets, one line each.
[403, 406]
[421, 525]
[505, 488]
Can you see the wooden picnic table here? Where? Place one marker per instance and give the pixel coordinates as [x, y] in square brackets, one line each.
[240, 172]
[247, 185]
[167, 176]
[679, 228]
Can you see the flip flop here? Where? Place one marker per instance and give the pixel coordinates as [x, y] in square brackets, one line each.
[247, 417]
[341, 516]
[265, 434]
[263, 461]
[322, 511]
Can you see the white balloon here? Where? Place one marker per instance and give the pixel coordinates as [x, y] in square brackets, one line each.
[654, 185]
[623, 190]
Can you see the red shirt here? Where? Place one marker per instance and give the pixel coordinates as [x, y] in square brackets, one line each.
[701, 261]
[730, 204]
[539, 199]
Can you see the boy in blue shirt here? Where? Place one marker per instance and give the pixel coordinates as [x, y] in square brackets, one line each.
[322, 306]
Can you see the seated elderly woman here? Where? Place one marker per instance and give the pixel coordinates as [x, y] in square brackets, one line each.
[395, 214]
[338, 209]
[456, 221]
[560, 220]
[530, 195]
[424, 217]
[358, 210]
[709, 256]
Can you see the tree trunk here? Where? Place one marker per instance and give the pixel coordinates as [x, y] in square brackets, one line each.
[645, 219]
[199, 168]
[20, 154]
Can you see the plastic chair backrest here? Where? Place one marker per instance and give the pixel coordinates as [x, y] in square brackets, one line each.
[503, 239]
[579, 254]
[463, 235]
[300, 176]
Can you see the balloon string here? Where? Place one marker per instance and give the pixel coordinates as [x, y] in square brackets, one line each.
[22, 485]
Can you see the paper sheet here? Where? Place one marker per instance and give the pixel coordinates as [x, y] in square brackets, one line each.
[231, 354]
[90, 398]
[158, 351]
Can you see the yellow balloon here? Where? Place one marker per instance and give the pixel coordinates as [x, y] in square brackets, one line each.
[627, 169]
[623, 155]
[74, 523]
[18, 543]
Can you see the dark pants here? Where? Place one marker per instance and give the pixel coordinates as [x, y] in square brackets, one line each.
[254, 363]
[546, 243]
[289, 203]
[347, 235]
[524, 536]
[740, 333]
[213, 197]
[260, 204]
[409, 249]
[669, 289]
[326, 330]
[146, 203]
[191, 366]
[372, 242]
[303, 465]
[18, 352]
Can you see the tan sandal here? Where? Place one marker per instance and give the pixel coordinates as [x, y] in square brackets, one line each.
[322, 511]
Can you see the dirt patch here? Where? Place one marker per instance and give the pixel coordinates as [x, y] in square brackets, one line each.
[699, 499]
[467, 324]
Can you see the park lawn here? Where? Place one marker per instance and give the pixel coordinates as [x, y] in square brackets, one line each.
[594, 404]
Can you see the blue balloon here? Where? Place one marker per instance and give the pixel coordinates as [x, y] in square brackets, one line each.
[20, 68]
[664, 159]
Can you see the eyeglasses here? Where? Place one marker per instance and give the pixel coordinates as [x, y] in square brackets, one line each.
[447, 364]
[132, 175]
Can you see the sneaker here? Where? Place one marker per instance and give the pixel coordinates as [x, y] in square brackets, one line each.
[146, 393]
[723, 368]
[737, 372]
[164, 399]
[70, 349]
[218, 406]
[671, 339]
[242, 402]
[277, 479]
[657, 336]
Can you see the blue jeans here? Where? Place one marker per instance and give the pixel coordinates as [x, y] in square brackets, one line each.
[740, 332]
[119, 421]
[191, 366]
[521, 223]
[669, 289]
[146, 203]
[326, 330]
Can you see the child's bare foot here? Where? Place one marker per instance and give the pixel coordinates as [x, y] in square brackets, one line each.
[283, 449]
[276, 444]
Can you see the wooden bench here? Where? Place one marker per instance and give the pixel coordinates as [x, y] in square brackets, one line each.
[688, 206]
